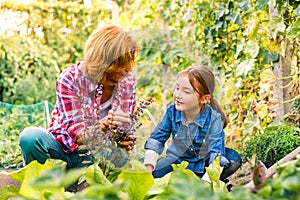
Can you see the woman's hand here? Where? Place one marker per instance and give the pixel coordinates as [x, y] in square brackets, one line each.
[117, 118]
[128, 143]
[114, 119]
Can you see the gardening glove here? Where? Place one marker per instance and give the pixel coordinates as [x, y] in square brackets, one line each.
[79, 158]
[224, 162]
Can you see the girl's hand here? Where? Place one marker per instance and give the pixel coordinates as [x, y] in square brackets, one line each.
[149, 168]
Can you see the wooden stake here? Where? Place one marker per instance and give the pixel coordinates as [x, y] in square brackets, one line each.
[272, 170]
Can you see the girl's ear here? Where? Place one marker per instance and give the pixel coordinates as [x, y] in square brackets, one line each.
[205, 99]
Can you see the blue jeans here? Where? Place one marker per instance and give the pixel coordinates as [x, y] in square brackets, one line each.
[38, 144]
[163, 166]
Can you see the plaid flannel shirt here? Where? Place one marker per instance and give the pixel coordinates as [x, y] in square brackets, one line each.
[78, 100]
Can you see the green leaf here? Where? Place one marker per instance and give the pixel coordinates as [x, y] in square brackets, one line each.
[252, 48]
[33, 172]
[244, 5]
[71, 176]
[297, 11]
[286, 169]
[182, 166]
[295, 29]
[261, 4]
[185, 184]
[94, 175]
[267, 75]
[19, 174]
[135, 176]
[292, 183]
[268, 56]
[96, 192]
[244, 67]
[214, 171]
[221, 11]
[50, 177]
[239, 48]
[265, 191]
[160, 184]
[7, 192]
[57, 176]
[277, 25]
[253, 28]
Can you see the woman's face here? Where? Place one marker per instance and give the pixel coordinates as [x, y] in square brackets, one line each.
[186, 99]
[115, 76]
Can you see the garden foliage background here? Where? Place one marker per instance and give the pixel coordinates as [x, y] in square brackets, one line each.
[243, 42]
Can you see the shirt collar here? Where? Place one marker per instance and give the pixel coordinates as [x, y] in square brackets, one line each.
[200, 118]
[90, 86]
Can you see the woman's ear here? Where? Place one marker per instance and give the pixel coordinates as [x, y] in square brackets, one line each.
[205, 99]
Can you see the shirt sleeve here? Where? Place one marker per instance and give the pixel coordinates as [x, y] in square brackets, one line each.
[67, 120]
[160, 135]
[216, 141]
[150, 158]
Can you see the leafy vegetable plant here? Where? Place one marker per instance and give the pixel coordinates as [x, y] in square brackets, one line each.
[278, 140]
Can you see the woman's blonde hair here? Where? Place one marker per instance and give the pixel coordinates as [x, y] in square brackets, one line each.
[203, 82]
[107, 49]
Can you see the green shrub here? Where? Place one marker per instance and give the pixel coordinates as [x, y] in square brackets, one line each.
[277, 141]
[13, 119]
[28, 73]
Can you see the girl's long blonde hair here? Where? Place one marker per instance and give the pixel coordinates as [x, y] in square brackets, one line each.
[203, 82]
[107, 49]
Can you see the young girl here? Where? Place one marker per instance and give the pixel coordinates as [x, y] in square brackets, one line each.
[196, 123]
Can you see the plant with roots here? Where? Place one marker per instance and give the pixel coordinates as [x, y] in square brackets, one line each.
[103, 143]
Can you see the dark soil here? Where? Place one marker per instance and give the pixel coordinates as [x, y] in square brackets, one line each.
[5, 180]
[242, 176]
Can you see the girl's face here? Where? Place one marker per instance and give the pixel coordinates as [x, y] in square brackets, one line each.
[186, 99]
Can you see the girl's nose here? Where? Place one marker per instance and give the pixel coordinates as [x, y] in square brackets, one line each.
[177, 95]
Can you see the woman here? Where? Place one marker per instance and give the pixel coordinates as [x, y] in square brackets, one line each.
[98, 92]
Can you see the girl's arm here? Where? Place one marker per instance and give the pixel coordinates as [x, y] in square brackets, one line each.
[150, 160]
[156, 142]
[160, 134]
[216, 145]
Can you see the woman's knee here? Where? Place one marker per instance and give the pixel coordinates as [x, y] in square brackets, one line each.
[29, 136]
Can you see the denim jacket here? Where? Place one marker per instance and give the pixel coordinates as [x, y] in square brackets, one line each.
[196, 142]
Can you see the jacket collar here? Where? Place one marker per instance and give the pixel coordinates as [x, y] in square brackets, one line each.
[200, 118]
